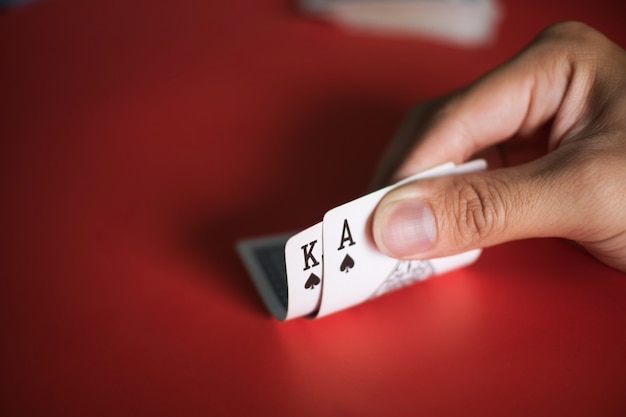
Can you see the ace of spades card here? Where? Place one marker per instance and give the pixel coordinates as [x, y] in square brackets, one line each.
[355, 270]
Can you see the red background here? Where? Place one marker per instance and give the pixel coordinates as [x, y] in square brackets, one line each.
[141, 139]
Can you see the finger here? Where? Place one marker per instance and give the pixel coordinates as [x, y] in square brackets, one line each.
[517, 98]
[443, 216]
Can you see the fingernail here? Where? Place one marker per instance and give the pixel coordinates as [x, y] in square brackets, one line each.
[407, 227]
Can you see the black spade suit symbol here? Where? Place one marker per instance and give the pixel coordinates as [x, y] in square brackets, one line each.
[312, 282]
[347, 263]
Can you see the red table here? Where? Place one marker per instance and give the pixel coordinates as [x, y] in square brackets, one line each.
[141, 139]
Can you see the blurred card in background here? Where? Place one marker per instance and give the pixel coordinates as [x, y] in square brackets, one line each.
[464, 22]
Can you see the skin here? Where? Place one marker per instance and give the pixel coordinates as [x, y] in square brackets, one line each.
[552, 121]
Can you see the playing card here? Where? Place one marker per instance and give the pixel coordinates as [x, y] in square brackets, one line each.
[265, 260]
[467, 22]
[303, 260]
[355, 270]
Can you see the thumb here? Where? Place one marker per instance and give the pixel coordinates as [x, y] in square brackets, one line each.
[443, 216]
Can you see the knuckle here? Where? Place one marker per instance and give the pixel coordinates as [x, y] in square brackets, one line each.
[575, 42]
[477, 208]
[569, 31]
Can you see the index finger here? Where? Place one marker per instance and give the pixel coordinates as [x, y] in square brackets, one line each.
[516, 98]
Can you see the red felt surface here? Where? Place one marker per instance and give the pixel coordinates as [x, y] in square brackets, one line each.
[140, 140]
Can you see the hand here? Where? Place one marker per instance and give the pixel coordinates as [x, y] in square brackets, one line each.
[570, 182]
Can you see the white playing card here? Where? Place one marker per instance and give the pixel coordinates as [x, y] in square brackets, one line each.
[355, 270]
[303, 261]
[461, 21]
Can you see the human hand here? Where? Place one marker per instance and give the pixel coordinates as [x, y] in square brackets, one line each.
[570, 184]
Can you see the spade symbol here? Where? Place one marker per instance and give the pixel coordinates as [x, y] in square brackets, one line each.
[347, 263]
[312, 282]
